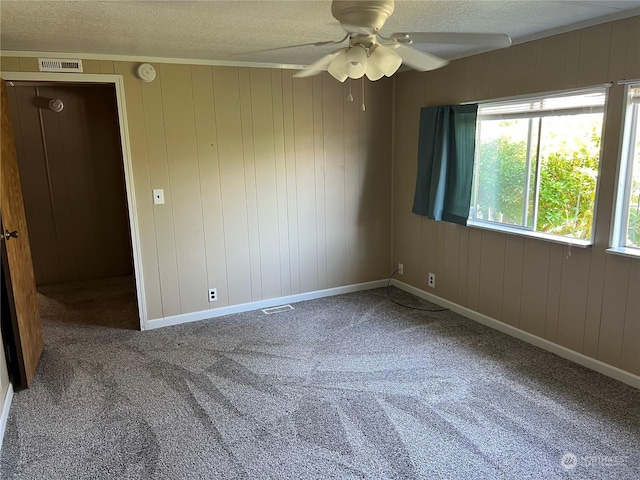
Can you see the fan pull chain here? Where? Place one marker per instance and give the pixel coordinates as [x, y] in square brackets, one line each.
[350, 97]
[363, 107]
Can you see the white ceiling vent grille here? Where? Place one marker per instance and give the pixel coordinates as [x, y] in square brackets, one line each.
[282, 308]
[69, 65]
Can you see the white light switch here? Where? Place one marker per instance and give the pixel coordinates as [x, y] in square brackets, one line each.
[158, 196]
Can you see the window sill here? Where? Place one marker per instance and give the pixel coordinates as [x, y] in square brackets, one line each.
[625, 252]
[573, 242]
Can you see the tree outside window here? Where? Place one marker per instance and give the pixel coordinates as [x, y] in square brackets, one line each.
[537, 164]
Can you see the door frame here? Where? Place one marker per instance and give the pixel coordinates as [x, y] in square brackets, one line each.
[118, 82]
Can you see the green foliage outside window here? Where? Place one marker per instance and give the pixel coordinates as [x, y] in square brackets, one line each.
[568, 189]
[501, 184]
[634, 224]
[633, 233]
[568, 176]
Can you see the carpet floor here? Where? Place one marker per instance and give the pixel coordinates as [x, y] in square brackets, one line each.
[351, 386]
[108, 302]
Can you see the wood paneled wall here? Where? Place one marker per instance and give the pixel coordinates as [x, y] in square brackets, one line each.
[583, 299]
[72, 181]
[273, 185]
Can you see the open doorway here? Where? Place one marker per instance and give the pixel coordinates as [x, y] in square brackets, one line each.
[70, 159]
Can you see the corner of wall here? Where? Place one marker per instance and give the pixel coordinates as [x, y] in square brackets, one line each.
[393, 166]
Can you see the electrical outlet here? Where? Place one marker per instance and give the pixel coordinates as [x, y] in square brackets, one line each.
[432, 280]
[213, 295]
[401, 269]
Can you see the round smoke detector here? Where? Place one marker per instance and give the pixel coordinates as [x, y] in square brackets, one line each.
[146, 72]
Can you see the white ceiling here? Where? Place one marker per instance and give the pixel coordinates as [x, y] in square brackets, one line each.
[225, 30]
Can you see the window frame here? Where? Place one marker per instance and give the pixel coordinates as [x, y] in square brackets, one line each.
[629, 126]
[526, 231]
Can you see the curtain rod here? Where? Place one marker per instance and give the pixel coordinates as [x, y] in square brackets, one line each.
[538, 94]
[628, 82]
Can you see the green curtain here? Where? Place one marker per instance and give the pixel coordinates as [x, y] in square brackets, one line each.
[446, 149]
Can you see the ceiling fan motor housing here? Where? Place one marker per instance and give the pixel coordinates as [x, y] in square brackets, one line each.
[367, 14]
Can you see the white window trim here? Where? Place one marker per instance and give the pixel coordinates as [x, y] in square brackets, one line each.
[524, 232]
[552, 93]
[624, 251]
[623, 174]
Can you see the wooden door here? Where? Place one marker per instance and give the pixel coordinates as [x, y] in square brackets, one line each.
[17, 267]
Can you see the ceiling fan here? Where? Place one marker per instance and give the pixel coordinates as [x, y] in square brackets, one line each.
[371, 54]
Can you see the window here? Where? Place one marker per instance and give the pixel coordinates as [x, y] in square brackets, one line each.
[627, 220]
[537, 162]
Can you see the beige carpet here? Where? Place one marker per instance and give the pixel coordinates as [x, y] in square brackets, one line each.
[350, 387]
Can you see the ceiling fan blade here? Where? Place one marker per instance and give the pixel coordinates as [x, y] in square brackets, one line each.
[418, 60]
[286, 47]
[318, 66]
[494, 40]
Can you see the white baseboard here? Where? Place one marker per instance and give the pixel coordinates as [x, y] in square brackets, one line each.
[271, 302]
[5, 413]
[579, 358]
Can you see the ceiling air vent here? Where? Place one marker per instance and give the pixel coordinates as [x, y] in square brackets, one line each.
[69, 65]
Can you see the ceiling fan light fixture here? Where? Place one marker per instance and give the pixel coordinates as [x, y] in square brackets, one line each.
[373, 72]
[386, 60]
[356, 62]
[337, 66]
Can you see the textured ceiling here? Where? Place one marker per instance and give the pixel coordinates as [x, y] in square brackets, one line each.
[226, 30]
